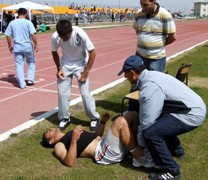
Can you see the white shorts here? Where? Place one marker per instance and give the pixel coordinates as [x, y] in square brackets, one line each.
[109, 150]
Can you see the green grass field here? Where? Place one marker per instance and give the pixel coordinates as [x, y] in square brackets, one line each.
[22, 157]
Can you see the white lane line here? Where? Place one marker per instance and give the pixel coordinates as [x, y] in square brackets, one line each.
[188, 49]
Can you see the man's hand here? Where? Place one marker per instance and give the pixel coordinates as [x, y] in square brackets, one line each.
[138, 153]
[11, 49]
[76, 133]
[84, 76]
[36, 48]
[60, 74]
[105, 117]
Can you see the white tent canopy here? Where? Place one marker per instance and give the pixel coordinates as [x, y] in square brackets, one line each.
[29, 6]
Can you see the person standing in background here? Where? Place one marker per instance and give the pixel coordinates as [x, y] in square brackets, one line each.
[84, 18]
[91, 18]
[22, 31]
[34, 21]
[9, 18]
[113, 16]
[155, 28]
[76, 16]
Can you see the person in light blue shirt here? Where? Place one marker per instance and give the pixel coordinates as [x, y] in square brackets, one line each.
[168, 108]
[21, 31]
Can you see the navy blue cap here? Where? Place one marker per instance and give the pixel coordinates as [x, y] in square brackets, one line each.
[131, 62]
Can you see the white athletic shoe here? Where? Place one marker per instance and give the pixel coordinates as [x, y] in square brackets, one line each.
[145, 161]
[94, 124]
[63, 124]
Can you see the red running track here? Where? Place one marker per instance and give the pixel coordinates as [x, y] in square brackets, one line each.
[113, 46]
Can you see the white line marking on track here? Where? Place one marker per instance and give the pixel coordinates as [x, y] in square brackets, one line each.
[28, 90]
[188, 49]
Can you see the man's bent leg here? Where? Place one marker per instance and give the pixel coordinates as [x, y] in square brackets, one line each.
[174, 146]
[165, 127]
[132, 118]
[121, 129]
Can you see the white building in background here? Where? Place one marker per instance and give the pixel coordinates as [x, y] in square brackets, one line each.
[201, 8]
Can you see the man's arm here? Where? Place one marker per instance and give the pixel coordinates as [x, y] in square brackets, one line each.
[90, 62]
[35, 42]
[56, 59]
[105, 117]
[135, 24]
[170, 38]
[69, 157]
[9, 42]
[150, 107]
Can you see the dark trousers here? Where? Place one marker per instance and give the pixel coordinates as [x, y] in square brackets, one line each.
[76, 21]
[162, 141]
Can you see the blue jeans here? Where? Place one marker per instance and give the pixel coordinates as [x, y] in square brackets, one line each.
[162, 141]
[154, 64]
[19, 63]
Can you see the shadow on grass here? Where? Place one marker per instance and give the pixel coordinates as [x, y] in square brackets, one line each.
[127, 163]
[206, 46]
[105, 105]
[109, 106]
[75, 121]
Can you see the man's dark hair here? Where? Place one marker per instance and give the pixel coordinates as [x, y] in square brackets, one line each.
[63, 27]
[45, 142]
[22, 11]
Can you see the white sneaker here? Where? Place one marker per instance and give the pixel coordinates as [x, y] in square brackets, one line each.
[94, 124]
[145, 161]
[64, 123]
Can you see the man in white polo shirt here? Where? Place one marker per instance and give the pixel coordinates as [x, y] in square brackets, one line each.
[78, 55]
